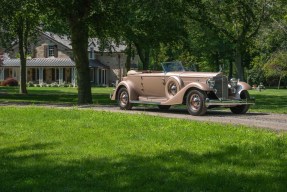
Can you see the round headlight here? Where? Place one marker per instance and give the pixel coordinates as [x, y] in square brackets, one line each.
[233, 82]
[211, 83]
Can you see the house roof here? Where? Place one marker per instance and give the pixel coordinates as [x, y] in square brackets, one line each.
[97, 64]
[62, 39]
[50, 62]
[40, 62]
[93, 42]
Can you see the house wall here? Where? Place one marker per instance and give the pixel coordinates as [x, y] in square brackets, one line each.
[38, 49]
[115, 61]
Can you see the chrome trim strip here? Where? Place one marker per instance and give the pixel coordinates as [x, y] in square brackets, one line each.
[229, 102]
[145, 102]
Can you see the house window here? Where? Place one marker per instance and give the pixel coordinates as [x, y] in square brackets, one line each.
[91, 53]
[51, 51]
[102, 76]
[92, 76]
[35, 74]
[55, 74]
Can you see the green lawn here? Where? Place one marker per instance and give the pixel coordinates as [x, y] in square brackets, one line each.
[270, 100]
[83, 150]
[57, 95]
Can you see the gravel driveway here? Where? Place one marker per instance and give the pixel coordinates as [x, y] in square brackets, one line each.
[276, 122]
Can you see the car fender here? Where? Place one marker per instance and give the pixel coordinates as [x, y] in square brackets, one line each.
[241, 86]
[129, 86]
[178, 98]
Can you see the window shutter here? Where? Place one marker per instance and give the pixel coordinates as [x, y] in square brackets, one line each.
[55, 51]
[45, 51]
[34, 54]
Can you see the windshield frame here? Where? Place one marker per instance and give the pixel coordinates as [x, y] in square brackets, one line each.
[172, 66]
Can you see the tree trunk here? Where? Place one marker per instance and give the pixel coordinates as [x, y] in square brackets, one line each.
[279, 82]
[144, 55]
[230, 69]
[21, 36]
[129, 56]
[238, 63]
[147, 59]
[79, 36]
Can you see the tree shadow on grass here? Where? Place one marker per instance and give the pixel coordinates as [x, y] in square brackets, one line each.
[183, 110]
[102, 99]
[233, 168]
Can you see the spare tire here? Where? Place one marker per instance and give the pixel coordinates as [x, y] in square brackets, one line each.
[172, 86]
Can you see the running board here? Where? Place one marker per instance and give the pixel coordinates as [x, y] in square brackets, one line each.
[145, 102]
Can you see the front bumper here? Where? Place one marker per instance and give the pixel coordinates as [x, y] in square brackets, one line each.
[229, 102]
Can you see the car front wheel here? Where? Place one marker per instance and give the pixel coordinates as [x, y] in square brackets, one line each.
[195, 102]
[123, 99]
[241, 109]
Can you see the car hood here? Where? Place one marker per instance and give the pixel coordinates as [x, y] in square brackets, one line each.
[196, 74]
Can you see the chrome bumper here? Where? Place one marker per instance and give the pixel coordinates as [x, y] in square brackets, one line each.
[209, 102]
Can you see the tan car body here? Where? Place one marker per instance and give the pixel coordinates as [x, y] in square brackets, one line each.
[153, 88]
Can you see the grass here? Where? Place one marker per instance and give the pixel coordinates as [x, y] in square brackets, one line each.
[83, 150]
[270, 100]
[57, 95]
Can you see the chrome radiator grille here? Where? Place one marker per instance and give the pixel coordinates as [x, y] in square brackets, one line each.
[221, 86]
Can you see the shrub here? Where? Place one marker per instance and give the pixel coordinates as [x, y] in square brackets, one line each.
[10, 82]
[30, 84]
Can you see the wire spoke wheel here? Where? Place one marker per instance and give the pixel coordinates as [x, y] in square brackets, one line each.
[123, 99]
[241, 109]
[195, 102]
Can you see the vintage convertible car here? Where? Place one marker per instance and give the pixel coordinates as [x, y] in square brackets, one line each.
[197, 90]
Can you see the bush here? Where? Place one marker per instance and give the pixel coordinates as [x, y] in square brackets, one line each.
[30, 84]
[10, 82]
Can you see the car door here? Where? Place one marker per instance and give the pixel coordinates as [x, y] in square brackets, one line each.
[153, 84]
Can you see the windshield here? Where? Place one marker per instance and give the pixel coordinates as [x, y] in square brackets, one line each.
[172, 66]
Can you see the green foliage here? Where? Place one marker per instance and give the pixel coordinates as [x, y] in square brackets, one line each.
[277, 66]
[83, 150]
[256, 74]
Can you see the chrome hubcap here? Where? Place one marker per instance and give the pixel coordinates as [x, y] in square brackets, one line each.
[172, 89]
[195, 102]
[124, 98]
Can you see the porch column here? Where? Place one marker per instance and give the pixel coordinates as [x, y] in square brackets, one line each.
[97, 76]
[74, 77]
[60, 75]
[105, 78]
[1, 74]
[41, 75]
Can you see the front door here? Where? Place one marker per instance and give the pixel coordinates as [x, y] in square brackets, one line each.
[153, 84]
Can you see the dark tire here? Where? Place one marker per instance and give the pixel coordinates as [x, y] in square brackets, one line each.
[195, 102]
[241, 109]
[123, 99]
[164, 107]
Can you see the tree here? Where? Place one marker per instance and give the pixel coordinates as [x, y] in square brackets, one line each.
[238, 21]
[19, 22]
[76, 16]
[277, 66]
[146, 24]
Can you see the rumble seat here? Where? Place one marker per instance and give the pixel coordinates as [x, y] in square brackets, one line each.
[133, 72]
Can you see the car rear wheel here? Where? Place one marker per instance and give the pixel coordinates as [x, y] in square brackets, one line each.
[195, 102]
[164, 107]
[241, 109]
[123, 99]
